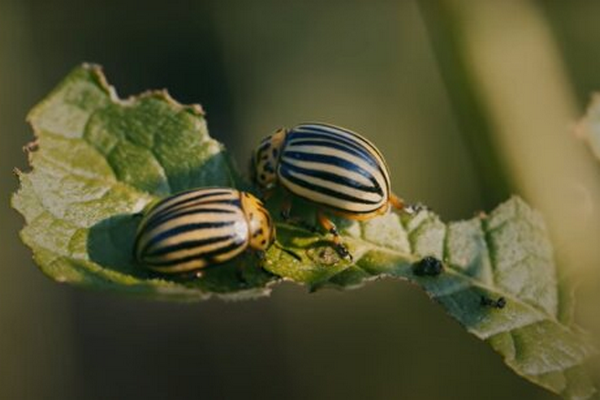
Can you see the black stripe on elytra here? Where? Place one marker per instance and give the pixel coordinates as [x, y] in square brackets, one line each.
[323, 190]
[321, 127]
[190, 245]
[327, 160]
[190, 199]
[357, 139]
[209, 256]
[337, 145]
[335, 178]
[315, 134]
[362, 146]
[185, 205]
[180, 212]
[182, 229]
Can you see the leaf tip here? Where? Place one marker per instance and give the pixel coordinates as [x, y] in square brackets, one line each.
[86, 71]
[96, 71]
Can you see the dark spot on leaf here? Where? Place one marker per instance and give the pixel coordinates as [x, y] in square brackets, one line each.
[501, 302]
[487, 302]
[428, 266]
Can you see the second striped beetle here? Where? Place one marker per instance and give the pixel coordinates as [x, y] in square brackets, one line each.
[202, 227]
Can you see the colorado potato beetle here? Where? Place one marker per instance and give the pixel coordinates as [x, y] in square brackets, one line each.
[202, 227]
[337, 169]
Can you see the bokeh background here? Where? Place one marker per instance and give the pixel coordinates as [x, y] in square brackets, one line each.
[469, 100]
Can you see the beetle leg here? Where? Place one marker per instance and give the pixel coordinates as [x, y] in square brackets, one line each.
[397, 202]
[286, 209]
[330, 227]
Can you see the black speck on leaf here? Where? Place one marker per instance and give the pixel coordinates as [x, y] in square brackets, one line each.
[428, 266]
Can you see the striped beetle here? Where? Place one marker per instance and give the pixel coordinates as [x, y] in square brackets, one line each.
[202, 227]
[337, 169]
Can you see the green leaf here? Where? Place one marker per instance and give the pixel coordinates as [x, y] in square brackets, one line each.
[99, 161]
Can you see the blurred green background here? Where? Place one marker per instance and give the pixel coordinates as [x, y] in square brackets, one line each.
[469, 100]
